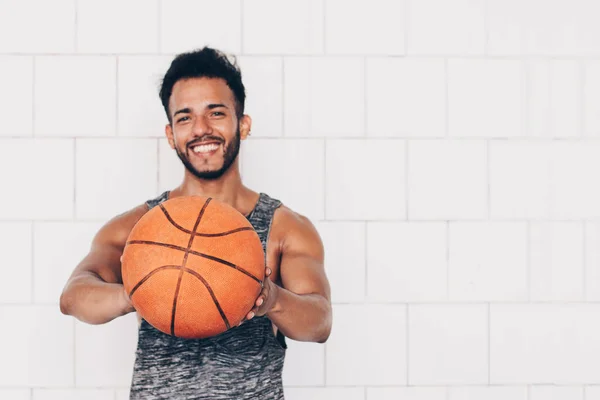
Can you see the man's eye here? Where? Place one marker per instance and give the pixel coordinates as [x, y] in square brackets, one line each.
[218, 112]
[183, 119]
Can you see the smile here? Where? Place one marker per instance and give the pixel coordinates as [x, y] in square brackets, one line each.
[205, 150]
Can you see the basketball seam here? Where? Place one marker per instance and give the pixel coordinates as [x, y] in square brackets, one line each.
[185, 257]
[193, 273]
[197, 253]
[181, 228]
[212, 294]
[144, 279]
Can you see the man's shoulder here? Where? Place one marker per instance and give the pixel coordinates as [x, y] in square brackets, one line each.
[117, 228]
[293, 226]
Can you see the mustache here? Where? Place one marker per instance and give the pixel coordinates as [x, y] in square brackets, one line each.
[204, 140]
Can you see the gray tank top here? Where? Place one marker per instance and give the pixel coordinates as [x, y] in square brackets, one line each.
[244, 362]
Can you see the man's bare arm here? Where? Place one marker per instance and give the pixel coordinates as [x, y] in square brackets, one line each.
[94, 292]
[302, 309]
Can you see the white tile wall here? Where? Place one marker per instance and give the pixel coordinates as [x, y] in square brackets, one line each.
[447, 179]
[521, 179]
[407, 261]
[16, 97]
[367, 346]
[448, 344]
[104, 354]
[58, 248]
[16, 245]
[75, 96]
[290, 170]
[591, 98]
[488, 393]
[36, 347]
[190, 24]
[564, 28]
[403, 95]
[485, 97]
[488, 261]
[324, 97]
[356, 190]
[592, 392]
[456, 27]
[345, 263]
[133, 26]
[557, 393]
[544, 343]
[39, 173]
[324, 393]
[554, 98]
[114, 175]
[263, 80]
[283, 27]
[15, 394]
[365, 27]
[37, 26]
[301, 354]
[73, 394]
[407, 393]
[140, 111]
[557, 261]
[446, 152]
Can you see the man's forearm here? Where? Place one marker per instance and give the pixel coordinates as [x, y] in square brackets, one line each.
[94, 301]
[302, 317]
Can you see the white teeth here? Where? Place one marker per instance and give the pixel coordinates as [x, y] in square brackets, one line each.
[205, 148]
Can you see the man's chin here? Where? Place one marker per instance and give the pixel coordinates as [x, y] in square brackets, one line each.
[208, 174]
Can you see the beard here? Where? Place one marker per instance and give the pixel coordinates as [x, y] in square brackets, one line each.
[229, 156]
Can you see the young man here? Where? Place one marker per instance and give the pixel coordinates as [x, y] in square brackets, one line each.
[203, 96]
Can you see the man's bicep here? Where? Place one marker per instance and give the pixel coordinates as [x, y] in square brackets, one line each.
[302, 267]
[103, 258]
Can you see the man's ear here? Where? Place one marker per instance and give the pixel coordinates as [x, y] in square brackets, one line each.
[169, 133]
[245, 126]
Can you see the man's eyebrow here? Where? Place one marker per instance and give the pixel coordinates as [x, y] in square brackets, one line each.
[188, 110]
[183, 111]
[211, 106]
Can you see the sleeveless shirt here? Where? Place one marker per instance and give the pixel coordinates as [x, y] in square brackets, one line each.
[242, 363]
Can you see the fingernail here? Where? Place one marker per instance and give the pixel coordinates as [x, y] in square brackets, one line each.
[259, 302]
[268, 271]
[251, 315]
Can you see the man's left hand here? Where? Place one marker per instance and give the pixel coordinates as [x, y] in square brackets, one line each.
[266, 299]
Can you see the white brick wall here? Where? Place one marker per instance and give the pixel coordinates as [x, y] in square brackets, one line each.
[446, 151]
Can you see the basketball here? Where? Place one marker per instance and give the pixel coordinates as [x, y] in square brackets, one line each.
[193, 267]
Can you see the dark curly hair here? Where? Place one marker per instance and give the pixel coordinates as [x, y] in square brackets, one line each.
[204, 63]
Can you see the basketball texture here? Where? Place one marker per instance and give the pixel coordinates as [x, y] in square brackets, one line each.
[193, 267]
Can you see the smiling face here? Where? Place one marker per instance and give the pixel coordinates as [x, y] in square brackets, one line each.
[205, 131]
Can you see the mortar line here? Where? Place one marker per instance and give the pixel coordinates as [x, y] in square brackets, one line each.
[489, 345]
[117, 133]
[33, 97]
[584, 261]
[241, 26]
[488, 172]
[159, 26]
[76, 27]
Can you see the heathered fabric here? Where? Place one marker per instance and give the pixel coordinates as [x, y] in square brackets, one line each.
[245, 362]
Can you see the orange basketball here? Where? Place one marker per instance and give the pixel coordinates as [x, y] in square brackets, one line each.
[193, 267]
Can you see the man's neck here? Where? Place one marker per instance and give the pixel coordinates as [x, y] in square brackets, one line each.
[228, 188]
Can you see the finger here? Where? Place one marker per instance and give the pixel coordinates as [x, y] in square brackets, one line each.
[268, 272]
[260, 300]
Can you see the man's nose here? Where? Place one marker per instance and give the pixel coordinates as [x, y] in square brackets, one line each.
[201, 126]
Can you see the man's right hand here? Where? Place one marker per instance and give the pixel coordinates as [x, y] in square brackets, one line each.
[94, 292]
[127, 304]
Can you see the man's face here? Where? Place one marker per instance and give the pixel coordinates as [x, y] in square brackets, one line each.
[205, 131]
